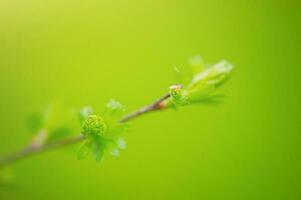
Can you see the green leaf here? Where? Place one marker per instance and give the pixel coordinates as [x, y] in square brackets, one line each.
[121, 143]
[201, 91]
[98, 148]
[35, 122]
[115, 106]
[115, 152]
[84, 150]
[204, 84]
[113, 110]
[59, 115]
[103, 134]
[56, 120]
[117, 129]
[202, 87]
[213, 75]
[95, 146]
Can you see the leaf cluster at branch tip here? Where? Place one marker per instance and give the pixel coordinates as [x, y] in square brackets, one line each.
[103, 134]
[94, 126]
[199, 83]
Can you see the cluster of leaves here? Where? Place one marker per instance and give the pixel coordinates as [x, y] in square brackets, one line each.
[103, 134]
[200, 84]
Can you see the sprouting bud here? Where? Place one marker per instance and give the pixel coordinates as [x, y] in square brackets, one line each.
[178, 95]
[175, 91]
[203, 83]
[94, 126]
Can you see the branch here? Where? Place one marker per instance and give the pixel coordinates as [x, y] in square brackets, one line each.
[33, 149]
[157, 105]
[210, 77]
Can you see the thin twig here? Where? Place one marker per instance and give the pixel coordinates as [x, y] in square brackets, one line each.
[154, 106]
[31, 149]
[35, 149]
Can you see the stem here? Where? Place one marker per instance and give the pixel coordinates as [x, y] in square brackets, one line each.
[35, 149]
[32, 149]
[157, 105]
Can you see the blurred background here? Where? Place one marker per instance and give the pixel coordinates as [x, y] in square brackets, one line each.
[86, 52]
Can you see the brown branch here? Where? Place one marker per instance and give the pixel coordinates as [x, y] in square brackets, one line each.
[33, 149]
[157, 105]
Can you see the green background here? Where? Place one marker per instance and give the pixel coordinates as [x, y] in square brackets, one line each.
[86, 52]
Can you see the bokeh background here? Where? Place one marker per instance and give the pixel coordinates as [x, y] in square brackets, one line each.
[86, 52]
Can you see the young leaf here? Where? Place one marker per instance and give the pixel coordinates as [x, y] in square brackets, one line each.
[202, 86]
[213, 75]
[121, 143]
[201, 91]
[116, 130]
[84, 150]
[104, 134]
[115, 106]
[113, 110]
[37, 121]
[61, 121]
[98, 148]
[115, 152]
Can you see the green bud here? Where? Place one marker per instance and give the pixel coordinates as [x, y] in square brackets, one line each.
[94, 126]
[178, 95]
